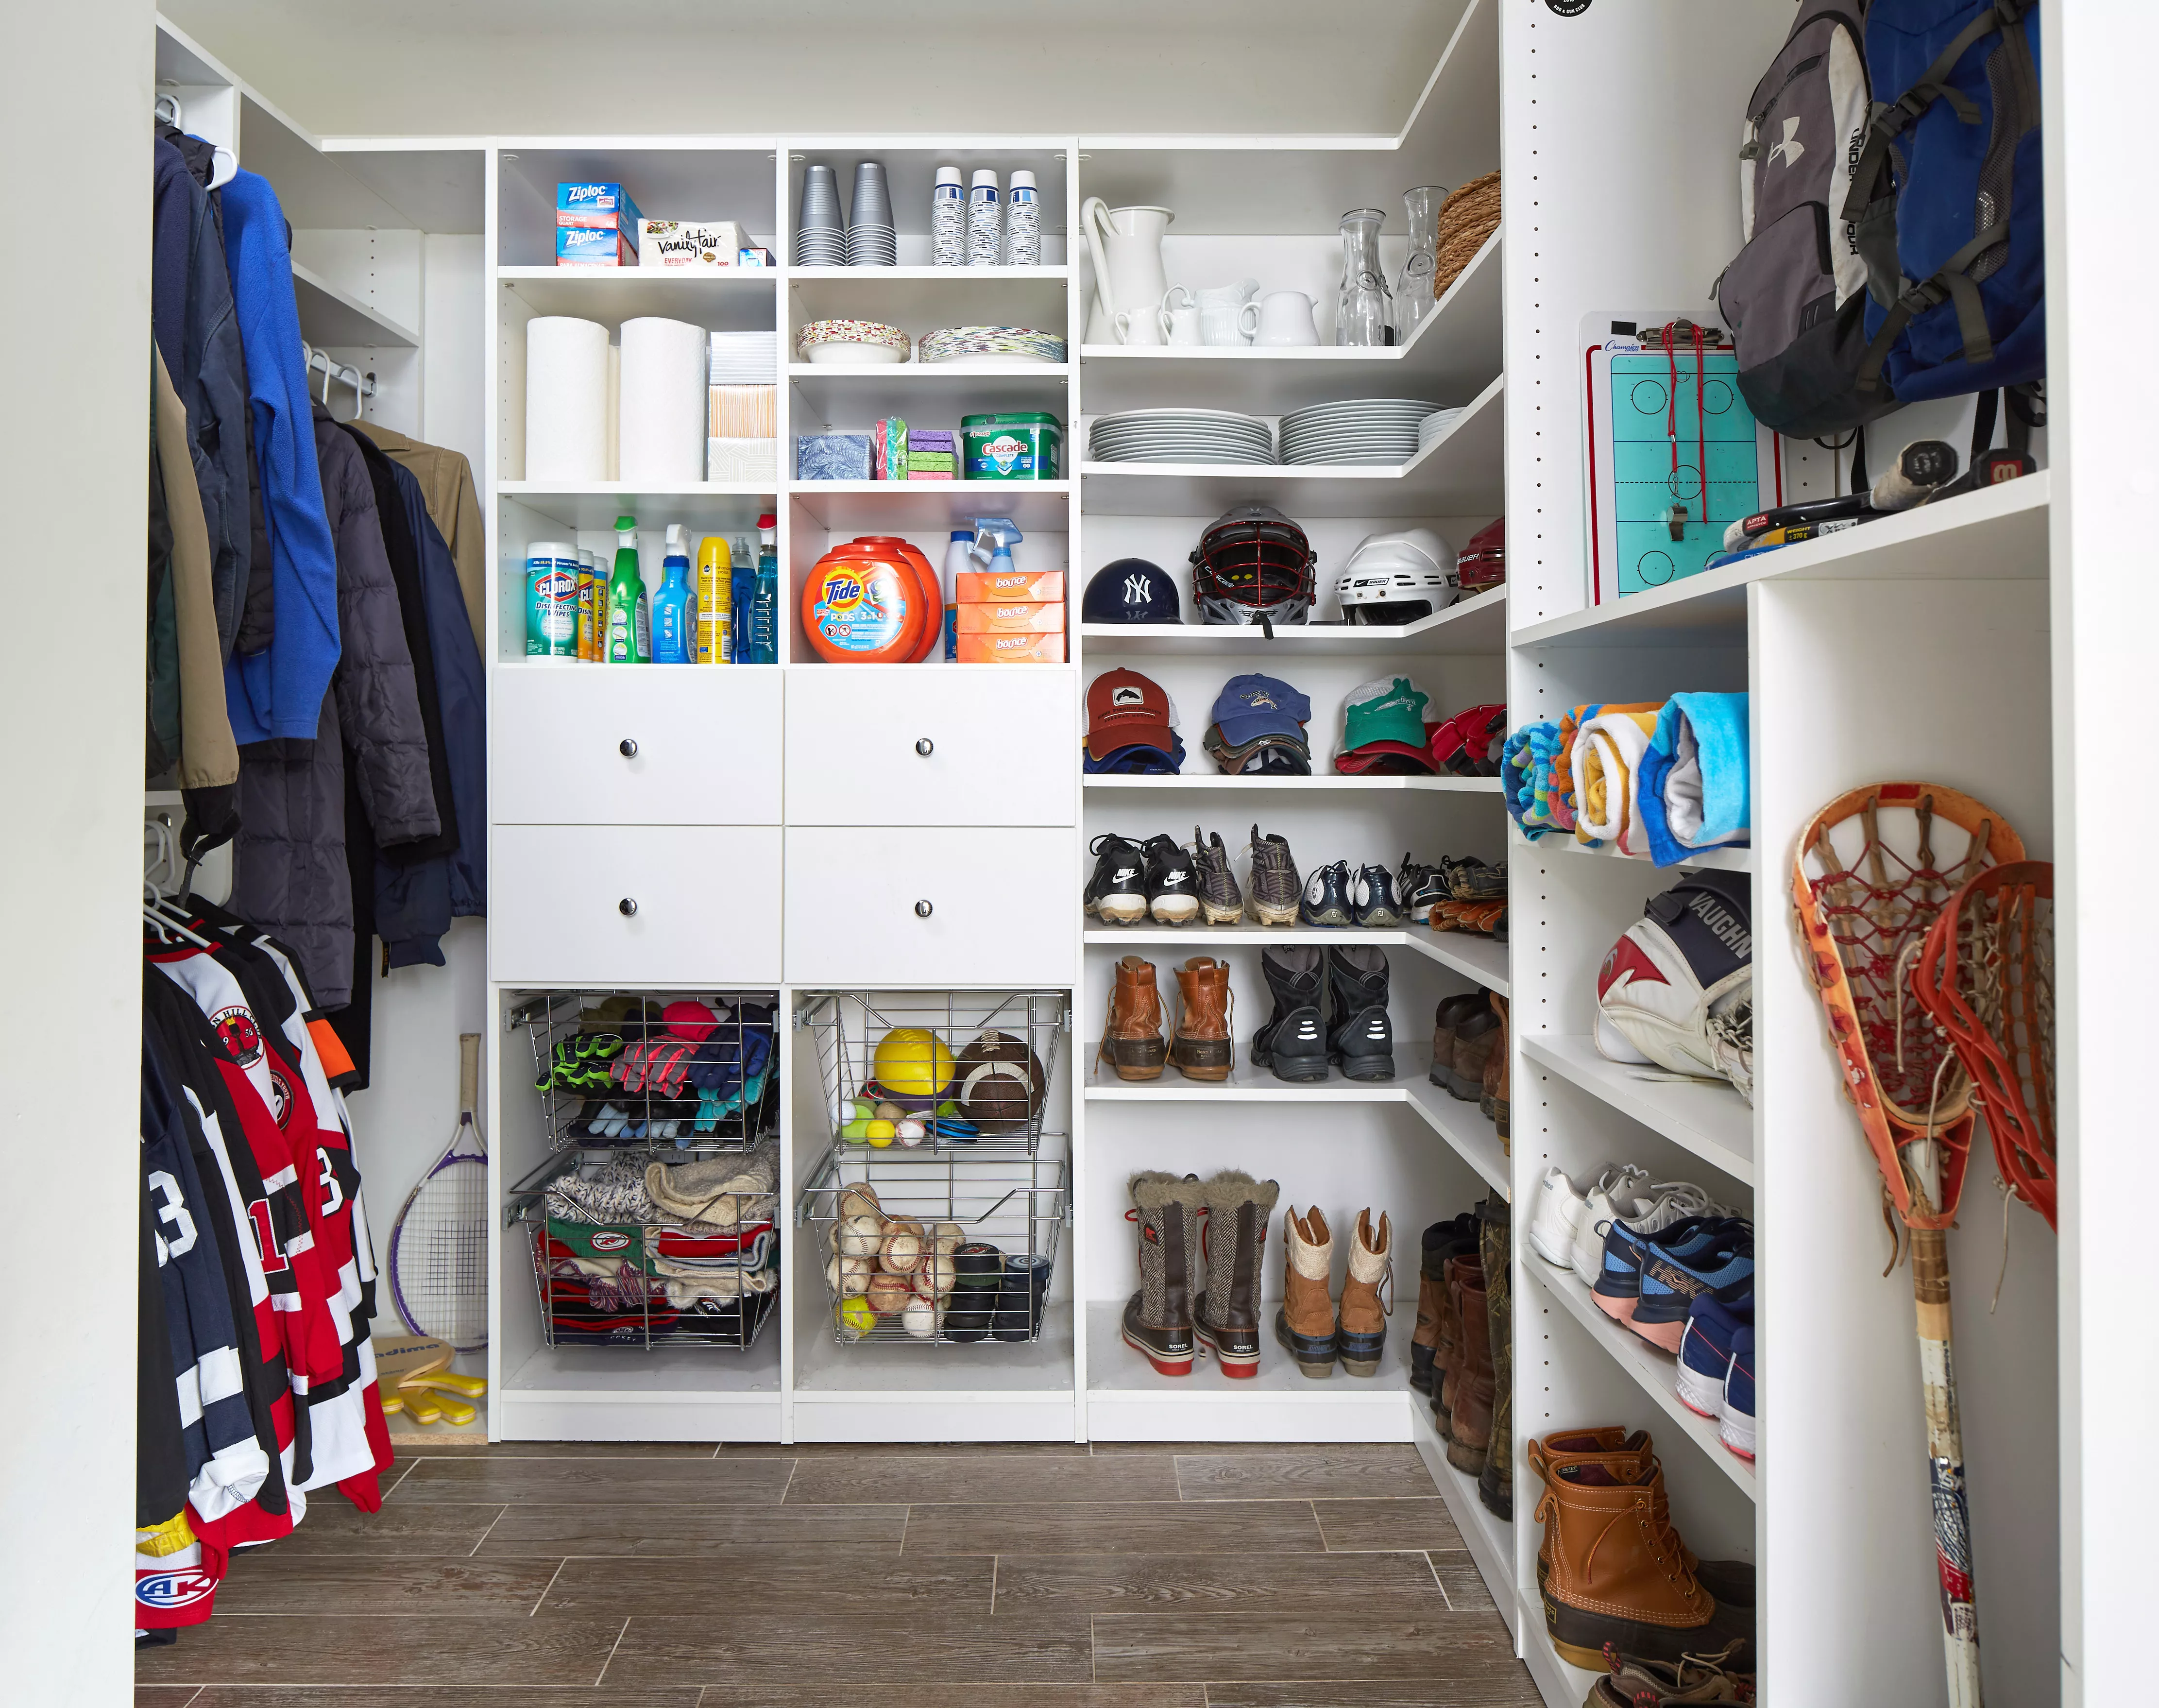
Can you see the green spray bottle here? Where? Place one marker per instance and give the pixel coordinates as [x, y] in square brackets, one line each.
[630, 618]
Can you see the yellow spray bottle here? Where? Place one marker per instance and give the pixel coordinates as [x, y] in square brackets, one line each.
[715, 603]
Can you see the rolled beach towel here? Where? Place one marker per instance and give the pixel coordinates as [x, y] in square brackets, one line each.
[1525, 768]
[1694, 780]
[1608, 752]
[1564, 782]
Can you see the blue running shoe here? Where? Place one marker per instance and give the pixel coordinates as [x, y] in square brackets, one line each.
[1706, 1354]
[1672, 1277]
[1618, 1288]
[1735, 1419]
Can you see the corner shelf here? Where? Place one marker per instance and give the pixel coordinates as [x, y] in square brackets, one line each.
[1478, 958]
[1707, 1121]
[1474, 626]
[338, 320]
[1489, 1538]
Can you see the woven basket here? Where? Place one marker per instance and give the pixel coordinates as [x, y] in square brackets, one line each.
[1467, 219]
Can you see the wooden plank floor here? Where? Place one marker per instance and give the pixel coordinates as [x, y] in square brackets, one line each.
[1131, 1576]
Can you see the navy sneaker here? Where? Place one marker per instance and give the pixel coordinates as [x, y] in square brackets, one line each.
[1735, 1418]
[1372, 897]
[1670, 1282]
[1417, 887]
[1706, 1354]
[1326, 899]
[1116, 894]
[1618, 1289]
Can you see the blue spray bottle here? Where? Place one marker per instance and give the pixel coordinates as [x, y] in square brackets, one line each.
[675, 605]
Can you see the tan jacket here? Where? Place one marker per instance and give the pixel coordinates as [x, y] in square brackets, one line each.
[445, 487]
[208, 758]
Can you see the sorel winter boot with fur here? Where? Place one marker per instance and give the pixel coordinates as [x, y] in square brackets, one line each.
[1361, 1041]
[1293, 1043]
[1158, 1317]
[1131, 1030]
[1495, 1485]
[1304, 1326]
[1471, 1387]
[1226, 1319]
[1203, 1048]
[1442, 1241]
[1366, 1297]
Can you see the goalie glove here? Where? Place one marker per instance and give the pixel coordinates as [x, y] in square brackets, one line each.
[1688, 963]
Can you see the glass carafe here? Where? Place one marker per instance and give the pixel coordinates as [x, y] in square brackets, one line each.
[1414, 300]
[1361, 315]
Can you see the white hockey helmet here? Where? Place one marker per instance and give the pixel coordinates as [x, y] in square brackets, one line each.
[1397, 577]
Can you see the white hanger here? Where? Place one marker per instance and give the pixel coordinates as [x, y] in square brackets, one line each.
[224, 164]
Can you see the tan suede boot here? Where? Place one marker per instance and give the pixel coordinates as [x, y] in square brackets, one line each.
[1494, 1102]
[1447, 1364]
[1131, 1030]
[1366, 1297]
[1442, 1241]
[1304, 1326]
[1203, 1047]
[1471, 1387]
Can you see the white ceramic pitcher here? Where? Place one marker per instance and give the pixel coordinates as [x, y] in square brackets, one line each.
[1126, 246]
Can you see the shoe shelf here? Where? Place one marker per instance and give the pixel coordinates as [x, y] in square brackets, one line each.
[1437, 785]
[1459, 474]
[1557, 1678]
[1998, 533]
[1711, 1122]
[1653, 1370]
[1473, 626]
[1462, 1125]
[1713, 859]
[1478, 958]
[1489, 1538]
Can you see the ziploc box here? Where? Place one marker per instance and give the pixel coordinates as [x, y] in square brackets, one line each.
[603, 204]
[588, 245]
[676, 245]
[979, 587]
[1025, 619]
[1007, 648]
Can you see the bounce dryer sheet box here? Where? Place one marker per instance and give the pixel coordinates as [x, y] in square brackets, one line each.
[589, 245]
[1026, 619]
[1008, 648]
[607, 205]
[978, 587]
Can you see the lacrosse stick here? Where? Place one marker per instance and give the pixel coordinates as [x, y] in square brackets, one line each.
[1987, 976]
[1863, 924]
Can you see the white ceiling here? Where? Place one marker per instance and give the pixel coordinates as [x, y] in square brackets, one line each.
[440, 67]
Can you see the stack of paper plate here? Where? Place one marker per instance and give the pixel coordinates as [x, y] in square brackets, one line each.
[977, 345]
[1363, 430]
[1181, 436]
[1432, 426]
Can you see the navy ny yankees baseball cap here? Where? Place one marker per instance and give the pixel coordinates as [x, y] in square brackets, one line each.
[1130, 590]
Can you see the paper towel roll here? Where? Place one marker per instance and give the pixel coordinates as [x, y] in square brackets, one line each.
[566, 399]
[663, 402]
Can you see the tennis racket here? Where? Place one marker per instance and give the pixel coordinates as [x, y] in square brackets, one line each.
[439, 1249]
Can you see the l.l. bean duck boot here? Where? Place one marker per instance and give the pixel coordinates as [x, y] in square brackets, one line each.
[1304, 1326]
[1226, 1320]
[1131, 1030]
[1203, 1047]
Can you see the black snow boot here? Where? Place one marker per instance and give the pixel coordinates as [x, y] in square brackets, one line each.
[1293, 1042]
[1361, 1039]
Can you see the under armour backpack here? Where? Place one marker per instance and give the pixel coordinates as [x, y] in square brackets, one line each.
[1944, 202]
[1795, 295]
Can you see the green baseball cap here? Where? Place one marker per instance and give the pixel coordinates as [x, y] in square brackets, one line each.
[1389, 710]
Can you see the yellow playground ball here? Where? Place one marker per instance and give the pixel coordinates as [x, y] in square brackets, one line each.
[880, 1133]
[912, 1061]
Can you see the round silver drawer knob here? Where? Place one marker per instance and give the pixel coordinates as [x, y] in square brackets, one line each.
[925, 747]
[628, 747]
[922, 910]
[627, 906]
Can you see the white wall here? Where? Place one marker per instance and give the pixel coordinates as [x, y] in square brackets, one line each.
[75, 446]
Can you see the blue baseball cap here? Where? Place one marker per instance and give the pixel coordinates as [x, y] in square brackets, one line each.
[1251, 706]
[1130, 590]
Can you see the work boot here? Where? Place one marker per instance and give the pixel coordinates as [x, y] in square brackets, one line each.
[1492, 1105]
[1272, 897]
[1293, 1042]
[1304, 1326]
[1448, 1366]
[1366, 1297]
[1452, 1012]
[1442, 1240]
[1731, 1582]
[1361, 1039]
[1220, 898]
[1618, 1573]
[1203, 1048]
[1495, 1486]
[1473, 1039]
[1226, 1319]
[1470, 1387]
[1131, 1031]
[1158, 1317]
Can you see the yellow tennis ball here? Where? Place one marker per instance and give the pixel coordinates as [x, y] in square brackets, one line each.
[880, 1133]
[912, 1062]
[855, 1317]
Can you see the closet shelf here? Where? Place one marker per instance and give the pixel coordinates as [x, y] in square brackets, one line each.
[336, 319]
[593, 506]
[1653, 1370]
[929, 506]
[1437, 785]
[1472, 627]
[1997, 534]
[1459, 474]
[1478, 958]
[925, 275]
[745, 295]
[1707, 1121]
[1454, 353]
[847, 399]
[1711, 859]
[1489, 1538]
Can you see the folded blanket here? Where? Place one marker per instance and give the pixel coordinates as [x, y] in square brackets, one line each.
[1608, 748]
[761, 1252]
[1525, 777]
[720, 1191]
[1693, 779]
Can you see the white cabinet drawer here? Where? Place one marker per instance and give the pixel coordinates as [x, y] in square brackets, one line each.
[999, 907]
[588, 745]
[591, 905]
[1003, 746]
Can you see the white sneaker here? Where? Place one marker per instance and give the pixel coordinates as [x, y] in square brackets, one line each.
[1618, 1191]
[1668, 1201]
[1560, 1206]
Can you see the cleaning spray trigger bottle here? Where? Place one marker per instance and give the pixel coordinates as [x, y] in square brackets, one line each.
[995, 536]
[629, 620]
[674, 606]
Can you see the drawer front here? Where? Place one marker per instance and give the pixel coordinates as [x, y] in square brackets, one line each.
[703, 905]
[1003, 747]
[703, 745]
[999, 911]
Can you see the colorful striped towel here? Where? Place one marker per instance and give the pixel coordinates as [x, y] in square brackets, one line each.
[1564, 804]
[1694, 777]
[1607, 754]
[1525, 774]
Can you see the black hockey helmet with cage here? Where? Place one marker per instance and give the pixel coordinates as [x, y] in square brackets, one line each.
[1252, 563]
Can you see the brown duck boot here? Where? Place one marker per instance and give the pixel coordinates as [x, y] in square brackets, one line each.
[1158, 1317]
[1448, 1366]
[1442, 1240]
[1131, 1030]
[1203, 1048]
[1731, 1581]
[1452, 1011]
[1473, 1039]
[1497, 1068]
[1304, 1326]
[1495, 1485]
[1227, 1317]
[1619, 1572]
[1367, 1297]
[1470, 1390]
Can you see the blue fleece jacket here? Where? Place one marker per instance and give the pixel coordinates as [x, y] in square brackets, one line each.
[278, 691]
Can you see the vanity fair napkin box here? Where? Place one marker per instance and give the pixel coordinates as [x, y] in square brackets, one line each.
[593, 245]
[703, 246]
